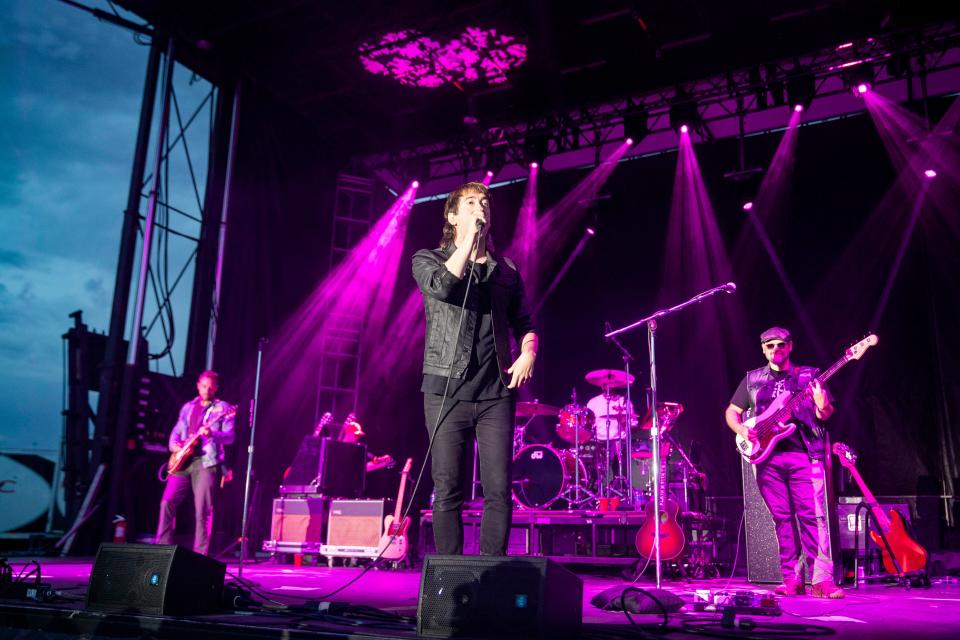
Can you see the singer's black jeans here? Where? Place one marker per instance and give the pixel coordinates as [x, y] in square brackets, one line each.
[492, 422]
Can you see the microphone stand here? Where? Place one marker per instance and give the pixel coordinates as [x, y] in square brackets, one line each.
[253, 430]
[629, 417]
[651, 322]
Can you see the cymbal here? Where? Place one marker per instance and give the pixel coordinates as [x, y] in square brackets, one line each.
[608, 378]
[667, 414]
[527, 409]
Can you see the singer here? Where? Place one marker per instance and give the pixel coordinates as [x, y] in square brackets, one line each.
[474, 300]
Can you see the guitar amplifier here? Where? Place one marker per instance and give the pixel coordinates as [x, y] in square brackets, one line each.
[298, 525]
[327, 467]
[354, 528]
[846, 513]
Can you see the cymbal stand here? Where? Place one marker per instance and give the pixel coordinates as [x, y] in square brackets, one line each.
[628, 427]
[651, 323]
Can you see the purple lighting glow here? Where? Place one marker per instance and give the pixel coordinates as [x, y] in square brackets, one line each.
[415, 59]
[534, 165]
[684, 128]
[798, 108]
[415, 184]
[630, 141]
[591, 231]
[930, 173]
[862, 88]
[747, 206]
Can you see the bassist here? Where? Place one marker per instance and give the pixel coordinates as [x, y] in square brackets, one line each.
[213, 420]
[791, 479]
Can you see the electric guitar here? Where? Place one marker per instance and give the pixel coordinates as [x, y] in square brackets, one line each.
[325, 419]
[394, 543]
[178, 460]
[672, 539]
[908, 552]
[771, 426]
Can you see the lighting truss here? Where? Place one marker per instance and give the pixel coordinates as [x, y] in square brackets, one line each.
[724, 102]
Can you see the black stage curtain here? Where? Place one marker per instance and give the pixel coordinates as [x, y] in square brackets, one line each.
[898, 406]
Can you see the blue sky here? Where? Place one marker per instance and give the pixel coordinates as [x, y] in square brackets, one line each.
[69, 106]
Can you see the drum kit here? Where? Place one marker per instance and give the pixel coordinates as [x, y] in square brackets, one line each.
[591, 471]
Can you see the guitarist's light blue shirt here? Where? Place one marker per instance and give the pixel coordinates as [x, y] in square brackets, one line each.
[221, 430]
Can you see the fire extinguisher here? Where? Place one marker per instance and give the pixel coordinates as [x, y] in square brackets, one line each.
[119, 529]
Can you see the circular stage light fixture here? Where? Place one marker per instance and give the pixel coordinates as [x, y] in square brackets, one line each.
[415, 59]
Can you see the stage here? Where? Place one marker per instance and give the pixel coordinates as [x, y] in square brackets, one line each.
[873, 611]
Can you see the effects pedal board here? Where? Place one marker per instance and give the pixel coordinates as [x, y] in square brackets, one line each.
[737, 602]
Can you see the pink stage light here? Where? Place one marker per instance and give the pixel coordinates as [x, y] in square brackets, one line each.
[930, 173]
[747, 206]
[798, 108]
[415, 184]
[489, 174]
[415, 59]
[591, 231]
[862, 88]
[684, 128]
[534, 165]
[629, 141]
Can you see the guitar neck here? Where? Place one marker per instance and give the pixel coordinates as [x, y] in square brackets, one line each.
[403, 487]
[797, 398]
[870, 499]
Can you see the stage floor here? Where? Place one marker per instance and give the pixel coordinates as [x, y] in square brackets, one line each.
[873, 611]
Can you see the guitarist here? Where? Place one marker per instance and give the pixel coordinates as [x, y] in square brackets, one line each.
[791, 479]
[200, 471]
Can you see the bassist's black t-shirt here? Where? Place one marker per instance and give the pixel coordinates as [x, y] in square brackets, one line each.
[780, 383]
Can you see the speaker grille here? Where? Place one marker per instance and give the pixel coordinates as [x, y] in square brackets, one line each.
[131, 581]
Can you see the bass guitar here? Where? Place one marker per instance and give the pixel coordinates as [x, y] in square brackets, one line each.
[672, 539]
[908, 552]
[394, 543]
[178, 460]
[772, 425]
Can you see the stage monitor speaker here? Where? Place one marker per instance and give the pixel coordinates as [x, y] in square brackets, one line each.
[328, 467]
[499, 597]
[763, 549]
[155, 580]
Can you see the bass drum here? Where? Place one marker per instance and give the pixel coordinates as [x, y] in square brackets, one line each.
[541, 474]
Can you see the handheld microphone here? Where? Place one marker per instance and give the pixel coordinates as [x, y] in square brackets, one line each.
[481, 224]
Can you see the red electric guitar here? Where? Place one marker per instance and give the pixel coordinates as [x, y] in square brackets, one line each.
[910, 555]
[394, 543]
[178, 459]
[773, 425]
[672, 539]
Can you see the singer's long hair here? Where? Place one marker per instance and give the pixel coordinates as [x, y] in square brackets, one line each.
[453, 201]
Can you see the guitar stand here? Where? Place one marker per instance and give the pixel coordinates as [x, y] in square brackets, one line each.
[905, 580]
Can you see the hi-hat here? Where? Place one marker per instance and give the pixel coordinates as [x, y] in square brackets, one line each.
[527, 409]
[608, 378]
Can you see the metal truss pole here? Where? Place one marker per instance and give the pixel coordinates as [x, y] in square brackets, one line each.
[113, 359]
[225, 209]
[127, 391]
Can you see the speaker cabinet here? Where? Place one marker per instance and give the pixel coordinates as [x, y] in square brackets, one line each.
[328, 467]
[155, 580]
[498, 596]
[299, 519]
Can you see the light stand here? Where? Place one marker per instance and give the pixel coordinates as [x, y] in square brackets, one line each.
[253, 430]
[651, 322]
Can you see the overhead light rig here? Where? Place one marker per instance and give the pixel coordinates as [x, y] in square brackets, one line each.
[716, 107]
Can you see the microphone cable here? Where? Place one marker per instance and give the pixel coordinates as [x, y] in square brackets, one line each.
[433, 435]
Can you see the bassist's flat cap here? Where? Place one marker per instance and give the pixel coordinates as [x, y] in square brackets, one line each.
[775, 333]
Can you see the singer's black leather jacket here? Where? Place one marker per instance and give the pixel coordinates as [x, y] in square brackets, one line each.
[442, 298]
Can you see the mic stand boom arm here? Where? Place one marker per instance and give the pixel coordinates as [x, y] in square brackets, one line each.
[651, 322]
